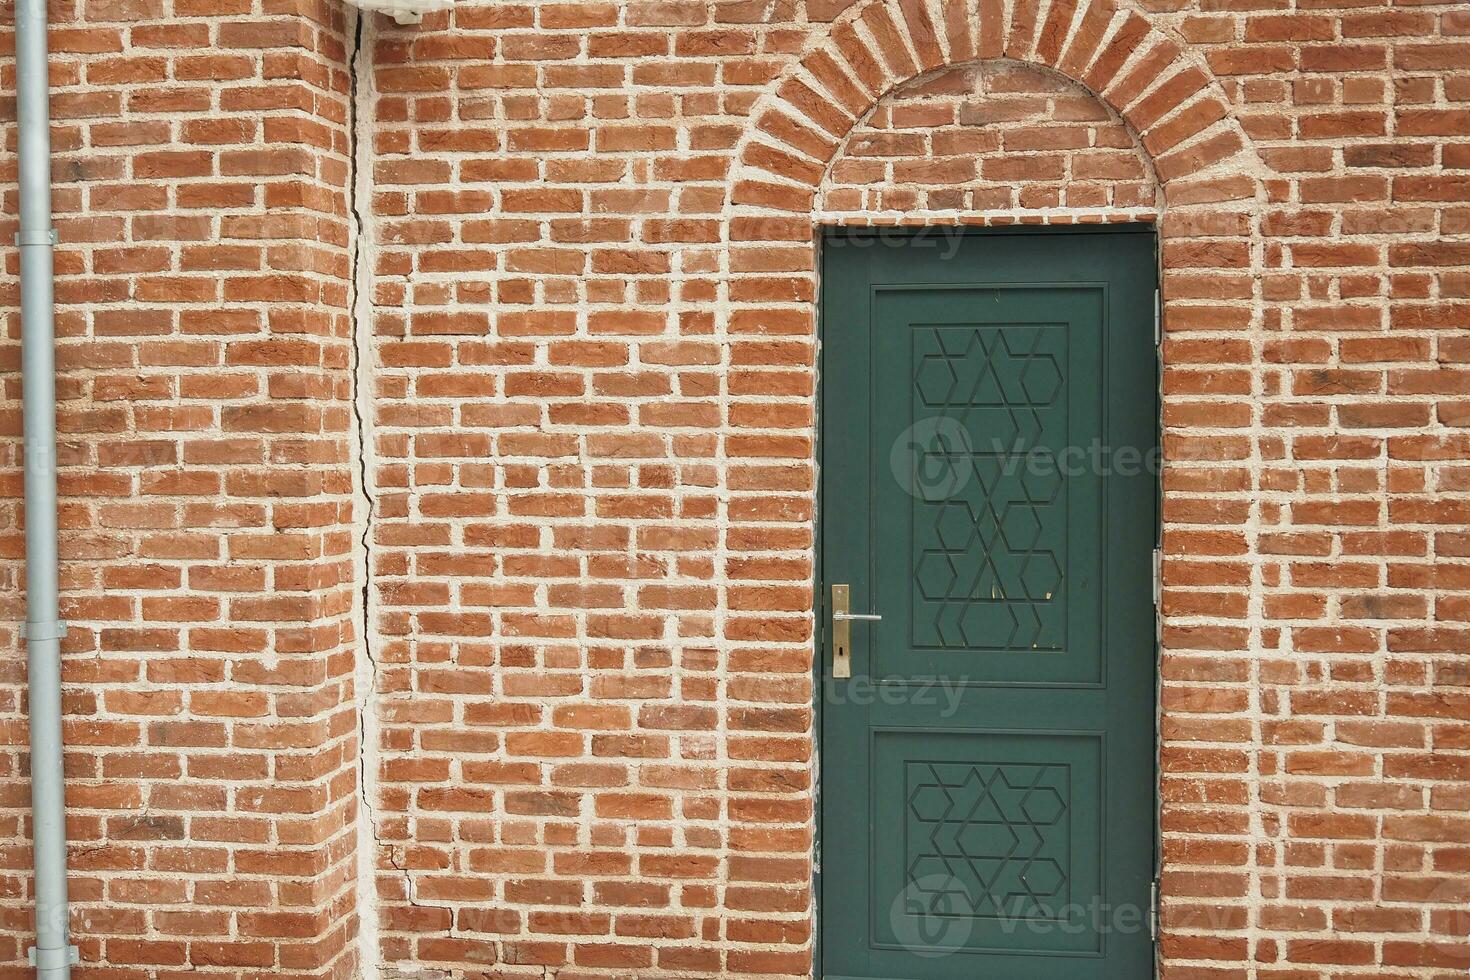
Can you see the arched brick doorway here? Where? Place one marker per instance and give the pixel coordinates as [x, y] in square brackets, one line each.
[798, 171]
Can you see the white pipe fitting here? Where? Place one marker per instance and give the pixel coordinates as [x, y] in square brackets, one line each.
[404, 11]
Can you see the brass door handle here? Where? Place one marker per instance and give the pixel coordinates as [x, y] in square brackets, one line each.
[842, 617]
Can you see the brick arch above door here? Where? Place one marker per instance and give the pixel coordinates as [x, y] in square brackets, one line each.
[1001, 138]
[1165, 94]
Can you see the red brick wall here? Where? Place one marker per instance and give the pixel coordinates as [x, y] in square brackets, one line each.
[587, 379]
[203, 359]
[594, 376]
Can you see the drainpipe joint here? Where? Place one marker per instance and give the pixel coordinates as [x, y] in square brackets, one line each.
[44, 631]
[37, 237]
[56, 961]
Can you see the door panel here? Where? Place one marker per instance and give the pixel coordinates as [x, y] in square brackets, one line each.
[987, 790]
[986, 842]
[1006, 562]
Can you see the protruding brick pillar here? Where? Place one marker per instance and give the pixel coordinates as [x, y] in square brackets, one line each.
[203, 279]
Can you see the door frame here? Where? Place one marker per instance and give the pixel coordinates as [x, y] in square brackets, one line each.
[819, 625]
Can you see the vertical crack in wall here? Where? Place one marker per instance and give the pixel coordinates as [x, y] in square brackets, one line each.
[365, 666]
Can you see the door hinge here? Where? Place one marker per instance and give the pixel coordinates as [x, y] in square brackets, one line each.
[1153, 910]
[1158, 578]
[1158, 320]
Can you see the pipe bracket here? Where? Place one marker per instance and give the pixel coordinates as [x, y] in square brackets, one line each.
[44, 631]
[55, 958]
[38, 236]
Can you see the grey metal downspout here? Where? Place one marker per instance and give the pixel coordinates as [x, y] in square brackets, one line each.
[53, 953]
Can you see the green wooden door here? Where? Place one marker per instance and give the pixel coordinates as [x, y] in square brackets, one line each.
[988, 486]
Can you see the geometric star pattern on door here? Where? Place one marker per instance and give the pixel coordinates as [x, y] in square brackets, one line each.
[987, 840]
[990, 539]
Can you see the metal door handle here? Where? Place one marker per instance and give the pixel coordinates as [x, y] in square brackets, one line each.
[842, 631]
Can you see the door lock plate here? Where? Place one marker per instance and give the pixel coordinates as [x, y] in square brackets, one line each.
[842, 618]
[841, 631]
